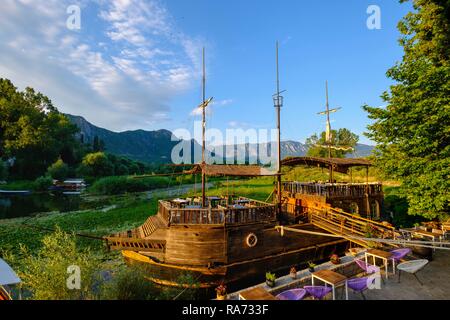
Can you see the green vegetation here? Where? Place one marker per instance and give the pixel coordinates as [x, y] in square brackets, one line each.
[412, 132]
[38, 140]
[59, 170]
[341, 138]
[119, 185]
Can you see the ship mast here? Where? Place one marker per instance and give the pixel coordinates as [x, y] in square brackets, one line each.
[203, 129]
[328, 133]
[278, 103]
[204, 104]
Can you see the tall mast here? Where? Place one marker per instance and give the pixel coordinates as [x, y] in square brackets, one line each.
[203, 129]
[328, 132]
[278, 104]
[328, 129]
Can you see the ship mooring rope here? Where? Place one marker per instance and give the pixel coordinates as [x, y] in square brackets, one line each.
[423, 244]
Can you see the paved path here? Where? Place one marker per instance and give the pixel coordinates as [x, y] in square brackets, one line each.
[435, 277]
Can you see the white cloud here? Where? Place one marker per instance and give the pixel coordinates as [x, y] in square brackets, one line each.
[120, 74]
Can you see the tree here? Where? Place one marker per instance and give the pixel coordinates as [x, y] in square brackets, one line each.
[342, 138]
[58, 170]
[96, 165]
[3, 170]
[98, 145]
[412, 132]
[32, 131]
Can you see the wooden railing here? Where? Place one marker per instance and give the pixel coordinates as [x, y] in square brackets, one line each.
[333, 190]
[340, 222]
[134, 244]
[254, 211]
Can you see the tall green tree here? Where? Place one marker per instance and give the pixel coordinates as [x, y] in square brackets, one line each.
[58, 170]
[32, 131]
[342, 138]
[413, 131]
[96, 165]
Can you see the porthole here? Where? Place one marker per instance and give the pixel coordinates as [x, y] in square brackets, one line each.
[251, 240]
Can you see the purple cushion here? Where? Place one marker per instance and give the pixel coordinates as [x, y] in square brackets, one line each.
[294, 294]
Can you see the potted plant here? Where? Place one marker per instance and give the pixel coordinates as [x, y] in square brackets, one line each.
[270, 279]
[221, 292]
[311, 266]
[293, 273]
[334, 258]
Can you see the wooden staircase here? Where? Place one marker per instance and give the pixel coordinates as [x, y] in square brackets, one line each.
[344, 224]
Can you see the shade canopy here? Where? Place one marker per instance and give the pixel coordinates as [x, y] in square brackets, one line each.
[7, 274]
[339, 164]
[231, 170]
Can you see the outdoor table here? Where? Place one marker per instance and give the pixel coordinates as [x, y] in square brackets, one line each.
[332, 278]
[383, 255]
[412, 267]
[427, 234]
[256, 294]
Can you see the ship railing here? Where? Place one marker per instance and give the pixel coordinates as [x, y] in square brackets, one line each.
[333, 190]
[135, 244]
[253, 211]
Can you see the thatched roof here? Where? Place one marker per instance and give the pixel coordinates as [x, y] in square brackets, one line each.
[231, 170]
[339, 164]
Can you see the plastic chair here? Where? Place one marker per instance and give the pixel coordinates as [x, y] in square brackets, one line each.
[412, 267]
[360, 284]
[368, 268]
[317, 292]
[399, 254]
[294, 294]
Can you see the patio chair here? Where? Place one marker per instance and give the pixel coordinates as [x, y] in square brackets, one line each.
[317, 292]
[412, 267]
[360, 284]
[294, 294]
[368, 268]
[399, 254]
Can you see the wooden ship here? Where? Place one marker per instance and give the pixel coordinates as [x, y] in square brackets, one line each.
[230, 238]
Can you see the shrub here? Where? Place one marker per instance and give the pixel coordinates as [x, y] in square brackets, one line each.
[129, 283]
[3, 170]
[45, 274]
[118, 185]
[42, 183]
[59, 170]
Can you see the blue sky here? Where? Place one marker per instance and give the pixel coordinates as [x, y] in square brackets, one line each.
[137, 63]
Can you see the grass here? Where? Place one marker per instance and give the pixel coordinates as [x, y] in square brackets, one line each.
[129, 212]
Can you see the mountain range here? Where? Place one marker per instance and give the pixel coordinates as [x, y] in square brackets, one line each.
[156, 146]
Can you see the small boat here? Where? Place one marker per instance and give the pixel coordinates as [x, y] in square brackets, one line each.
[15, 192]
[7, 278]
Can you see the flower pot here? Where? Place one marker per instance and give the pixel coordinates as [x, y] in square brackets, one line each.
[312, 270]
[270, 283]
[293, 275]
[221, 297]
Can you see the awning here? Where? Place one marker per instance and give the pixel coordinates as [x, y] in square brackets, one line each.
[339, 164]
[7, 274]
[232, 170]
